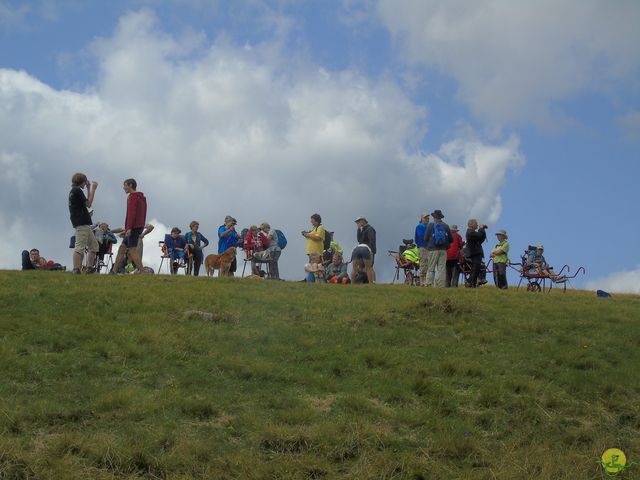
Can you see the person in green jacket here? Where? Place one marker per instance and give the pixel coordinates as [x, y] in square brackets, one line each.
[500, 255]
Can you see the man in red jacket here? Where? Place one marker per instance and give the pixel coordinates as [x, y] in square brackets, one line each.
[134, 223]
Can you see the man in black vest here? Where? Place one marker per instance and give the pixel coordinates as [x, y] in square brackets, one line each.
[367, 236]
[476, 235]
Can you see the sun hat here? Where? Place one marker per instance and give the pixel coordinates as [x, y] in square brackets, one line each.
[454, 227]
[437, 214]
[360, 218]
[503, 233]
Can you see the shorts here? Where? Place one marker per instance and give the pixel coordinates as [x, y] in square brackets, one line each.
[361, 253]
[85, 239]
[132, 240]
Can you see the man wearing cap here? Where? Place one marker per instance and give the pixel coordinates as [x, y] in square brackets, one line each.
[500, 255]
[227, 238]
[453, 259]
[438, 238]
[419, 238]
[366, 235]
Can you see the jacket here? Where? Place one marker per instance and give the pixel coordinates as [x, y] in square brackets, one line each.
[136, 211]
[474, 242]
[454, 250]
[367, 236]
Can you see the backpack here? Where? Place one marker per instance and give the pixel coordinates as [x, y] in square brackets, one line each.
[282, 240]
[326, 244]
[439, 234]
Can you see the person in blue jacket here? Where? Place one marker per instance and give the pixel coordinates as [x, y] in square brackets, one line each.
[227, 238]
[421, 243]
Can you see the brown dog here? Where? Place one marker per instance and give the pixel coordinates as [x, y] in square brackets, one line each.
[220, 262]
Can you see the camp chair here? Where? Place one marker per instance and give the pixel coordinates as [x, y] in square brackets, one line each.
[185, 261]
[464, 265]
[248, 258]
[536, 281]
[408, 268]
[100, 262]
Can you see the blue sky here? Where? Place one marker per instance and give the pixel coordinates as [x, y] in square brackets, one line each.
[528, 120]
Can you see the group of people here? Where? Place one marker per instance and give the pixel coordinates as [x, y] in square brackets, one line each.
[442, 251]
[326, 261]
[439, 248]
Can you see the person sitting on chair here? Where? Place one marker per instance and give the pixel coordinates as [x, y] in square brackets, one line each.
[255, 241]
[537, 264]
[336, 271]
[314, 269]
[31, 260]
[176, 246]
[195, 243]
[272, 252]
[105, 238]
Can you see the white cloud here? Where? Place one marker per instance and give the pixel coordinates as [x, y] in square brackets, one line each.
[514, 60]
[619, 282]
[211, 130]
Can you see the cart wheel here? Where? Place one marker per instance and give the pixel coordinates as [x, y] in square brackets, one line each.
[533, 287]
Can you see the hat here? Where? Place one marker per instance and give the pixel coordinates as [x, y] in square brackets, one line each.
[360, 218]
[540, 247]
[454, 227]
[437, 214]
[502, 232]
[424, 214]
[228, 218]
[234, 221]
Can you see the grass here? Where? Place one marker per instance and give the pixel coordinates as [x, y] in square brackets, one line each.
[122, 377]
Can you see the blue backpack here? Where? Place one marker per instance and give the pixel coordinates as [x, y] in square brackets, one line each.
[282, 240]
[439, 234]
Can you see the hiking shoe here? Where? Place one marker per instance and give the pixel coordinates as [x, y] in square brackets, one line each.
[75, 271]
[91, 271]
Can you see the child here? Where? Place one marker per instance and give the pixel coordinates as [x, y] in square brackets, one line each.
[314, 269]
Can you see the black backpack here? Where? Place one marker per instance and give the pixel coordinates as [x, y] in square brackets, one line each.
[328, 236]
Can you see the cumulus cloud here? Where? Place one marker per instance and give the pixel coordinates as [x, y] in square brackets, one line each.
[215, 129]
[514, 60]
[620, 282]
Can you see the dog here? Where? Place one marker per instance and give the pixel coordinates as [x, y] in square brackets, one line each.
[220, 262]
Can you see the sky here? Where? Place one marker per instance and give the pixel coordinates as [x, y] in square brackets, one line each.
[524, 115]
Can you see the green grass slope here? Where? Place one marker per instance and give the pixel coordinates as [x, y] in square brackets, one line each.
[108, 377]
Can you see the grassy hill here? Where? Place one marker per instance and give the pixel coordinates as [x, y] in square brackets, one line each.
[110, 377]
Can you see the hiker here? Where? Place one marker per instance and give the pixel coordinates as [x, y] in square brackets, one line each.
[256, 241]
[134, 225]
[105, 238]
[500, 255]
[176, 248]
[315, 237]
[536, 263]
[31, 260]
[336, 271]
[79, 206]
[476, 235]
[421, 244]
[196, 242]
[122, 256]
[438, 238]
[272, 253]
[454, 255]
[227, 238]
[361, 264]
[314, 269]
[366, 235]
